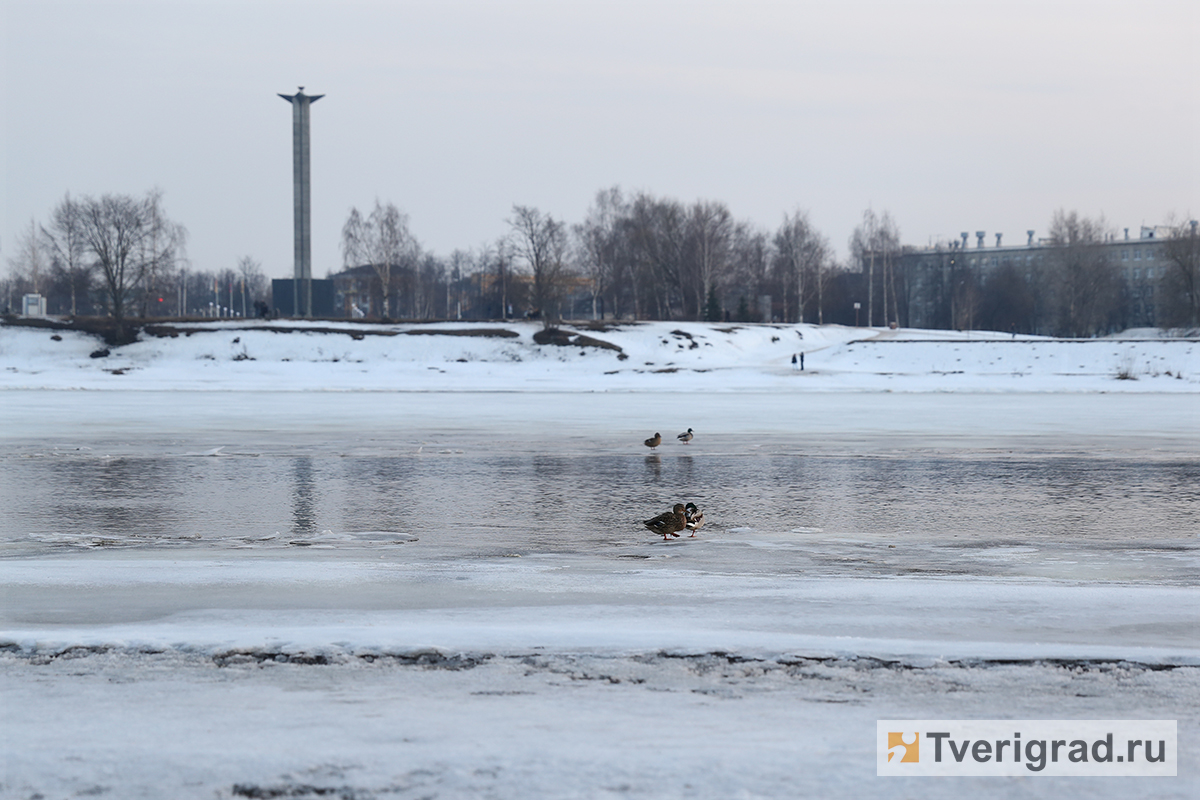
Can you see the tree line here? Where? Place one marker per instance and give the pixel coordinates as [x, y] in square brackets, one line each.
[123, 257]
[633, 256]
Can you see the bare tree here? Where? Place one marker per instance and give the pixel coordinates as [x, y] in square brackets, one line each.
[710, 232]
[965, 297]
[251, 278]
[657, 231]
[1084, 283]
[66, 242]
[381, 240]
[748, 274]
[30, 261]
[162, 245]
[800, 256]
[863, 244]
[1182, 281]
[541, 242]
[459, 265]
[876, 242]
[496, 260]
[599, 242]
[116, 229]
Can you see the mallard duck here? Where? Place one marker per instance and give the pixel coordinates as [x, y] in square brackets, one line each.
[654, 441]
[694, 518]
[685, 437]
[670, 523]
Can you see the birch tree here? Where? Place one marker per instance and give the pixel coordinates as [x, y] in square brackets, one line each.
[599, 242]
[876, 243]
[30, 261]
[381, 240]
[710, 231]
[159, 250]
[800, 256]
[65, 239]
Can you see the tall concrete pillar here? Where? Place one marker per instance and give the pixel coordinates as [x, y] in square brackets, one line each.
[302, 202]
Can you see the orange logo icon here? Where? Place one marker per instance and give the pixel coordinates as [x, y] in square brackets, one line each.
[905, 745]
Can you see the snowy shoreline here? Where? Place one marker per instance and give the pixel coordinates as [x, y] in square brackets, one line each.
[678, 356]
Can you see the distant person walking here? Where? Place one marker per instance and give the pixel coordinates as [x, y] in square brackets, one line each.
[802, 362]
[793, 361]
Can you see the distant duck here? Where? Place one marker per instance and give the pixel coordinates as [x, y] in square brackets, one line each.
[654, 441]
[685, 437]
[670, 523]
[694, 518]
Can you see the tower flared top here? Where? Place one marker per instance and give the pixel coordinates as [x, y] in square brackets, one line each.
[300, 95]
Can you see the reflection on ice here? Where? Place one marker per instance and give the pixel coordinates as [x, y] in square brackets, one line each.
[940, 513]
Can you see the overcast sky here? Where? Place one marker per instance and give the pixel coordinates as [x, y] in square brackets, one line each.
[952, 116]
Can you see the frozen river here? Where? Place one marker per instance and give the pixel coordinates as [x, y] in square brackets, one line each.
[408, 572]
[1074, 487]
[861, 502]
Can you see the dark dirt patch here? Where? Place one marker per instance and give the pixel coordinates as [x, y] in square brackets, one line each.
[563, 338]
[172, 331]
[115, 335]
[112, 333]
[495, 333]
[602, 327]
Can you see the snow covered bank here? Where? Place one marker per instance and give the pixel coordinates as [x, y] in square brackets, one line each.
[680, 356]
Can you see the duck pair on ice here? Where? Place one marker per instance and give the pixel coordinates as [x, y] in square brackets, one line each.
[681, 517]
[655, 440]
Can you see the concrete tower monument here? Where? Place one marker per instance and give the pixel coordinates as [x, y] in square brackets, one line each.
[302, 202]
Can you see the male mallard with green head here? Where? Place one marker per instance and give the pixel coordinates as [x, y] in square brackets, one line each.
[686, 436]
[694, 518]
[670, 523]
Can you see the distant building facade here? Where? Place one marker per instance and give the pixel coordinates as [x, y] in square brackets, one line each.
[946, 284]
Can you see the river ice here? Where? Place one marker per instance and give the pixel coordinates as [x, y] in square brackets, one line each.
[411, 587]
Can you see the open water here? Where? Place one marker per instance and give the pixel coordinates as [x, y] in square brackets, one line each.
[427, 488]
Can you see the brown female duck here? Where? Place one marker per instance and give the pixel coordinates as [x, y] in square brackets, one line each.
[668, 524]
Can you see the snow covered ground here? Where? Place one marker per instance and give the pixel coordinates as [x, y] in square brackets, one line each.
[677, 356]
[722, 666]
